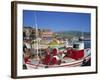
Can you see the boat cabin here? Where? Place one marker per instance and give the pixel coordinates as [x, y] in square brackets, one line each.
[78, 45]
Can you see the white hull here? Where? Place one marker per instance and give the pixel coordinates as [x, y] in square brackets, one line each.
[71, 63]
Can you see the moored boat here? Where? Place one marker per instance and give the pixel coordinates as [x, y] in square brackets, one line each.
[62, 57]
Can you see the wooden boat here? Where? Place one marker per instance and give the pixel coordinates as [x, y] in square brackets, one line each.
[63, 57]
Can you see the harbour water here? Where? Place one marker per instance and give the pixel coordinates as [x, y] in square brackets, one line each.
[87, 44]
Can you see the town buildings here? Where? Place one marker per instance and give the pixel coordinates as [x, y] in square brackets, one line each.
[32, 33]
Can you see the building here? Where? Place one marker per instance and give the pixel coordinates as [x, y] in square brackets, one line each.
[46, 33]
[31, 33]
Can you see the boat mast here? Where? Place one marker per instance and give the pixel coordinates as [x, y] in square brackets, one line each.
[36, 26]
[82, 44]
[82, 36]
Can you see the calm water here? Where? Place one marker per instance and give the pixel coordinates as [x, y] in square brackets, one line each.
[87, 44]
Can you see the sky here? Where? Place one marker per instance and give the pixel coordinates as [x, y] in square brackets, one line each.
[57, 21]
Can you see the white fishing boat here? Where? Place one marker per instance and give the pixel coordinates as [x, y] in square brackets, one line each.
[74, 57]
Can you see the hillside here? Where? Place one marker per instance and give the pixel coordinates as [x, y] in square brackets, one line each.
[71, 34]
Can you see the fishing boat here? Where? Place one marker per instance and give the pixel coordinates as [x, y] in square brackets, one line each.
[63, 57]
